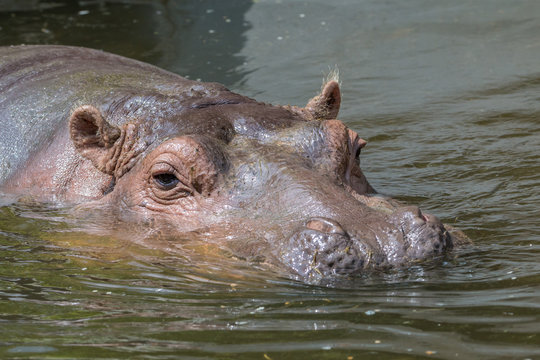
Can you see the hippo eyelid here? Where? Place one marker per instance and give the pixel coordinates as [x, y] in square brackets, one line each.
[169, 183]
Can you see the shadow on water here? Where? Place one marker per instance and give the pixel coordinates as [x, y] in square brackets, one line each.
[197, 39]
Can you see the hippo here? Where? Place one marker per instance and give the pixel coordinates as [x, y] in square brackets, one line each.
[279, 185]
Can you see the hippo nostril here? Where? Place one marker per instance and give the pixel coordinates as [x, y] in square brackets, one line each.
[324, 225]
[416, 213]
[415, 210]
[430, 219]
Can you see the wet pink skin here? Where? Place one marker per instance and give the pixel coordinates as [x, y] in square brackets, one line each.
[281, 184]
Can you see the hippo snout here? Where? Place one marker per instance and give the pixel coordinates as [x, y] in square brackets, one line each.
[320, 248]
[325, 226]
[423, 234]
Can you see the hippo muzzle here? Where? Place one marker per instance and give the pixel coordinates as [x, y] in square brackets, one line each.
[322, 248]
[423, 235]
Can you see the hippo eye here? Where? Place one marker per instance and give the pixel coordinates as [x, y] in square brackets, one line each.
[166, 181]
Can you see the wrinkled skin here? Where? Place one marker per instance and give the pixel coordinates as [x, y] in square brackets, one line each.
[282, 185]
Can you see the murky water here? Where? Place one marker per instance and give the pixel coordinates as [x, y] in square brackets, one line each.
[446, 93]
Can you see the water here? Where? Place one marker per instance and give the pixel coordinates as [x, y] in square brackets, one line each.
[446, 93]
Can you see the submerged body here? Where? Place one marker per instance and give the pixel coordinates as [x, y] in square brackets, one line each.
[278, 184]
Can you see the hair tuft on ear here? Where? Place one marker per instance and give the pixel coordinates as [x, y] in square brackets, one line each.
[325, 106]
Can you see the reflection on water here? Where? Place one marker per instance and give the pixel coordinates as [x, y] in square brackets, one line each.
[198, 39]
[447, 95]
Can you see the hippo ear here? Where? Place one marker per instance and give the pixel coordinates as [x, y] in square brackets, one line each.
[94, 138]
[325, 106]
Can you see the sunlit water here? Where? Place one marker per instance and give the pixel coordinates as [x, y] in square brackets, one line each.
[447, 95]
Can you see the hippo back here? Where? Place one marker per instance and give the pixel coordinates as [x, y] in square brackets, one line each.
[41, 85]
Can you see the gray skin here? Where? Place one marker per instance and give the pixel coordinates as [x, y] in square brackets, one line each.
[280, 185]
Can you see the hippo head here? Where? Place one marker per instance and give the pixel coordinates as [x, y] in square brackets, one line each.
[281, 184]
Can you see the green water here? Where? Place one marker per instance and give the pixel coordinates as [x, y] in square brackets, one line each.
[447, 95]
